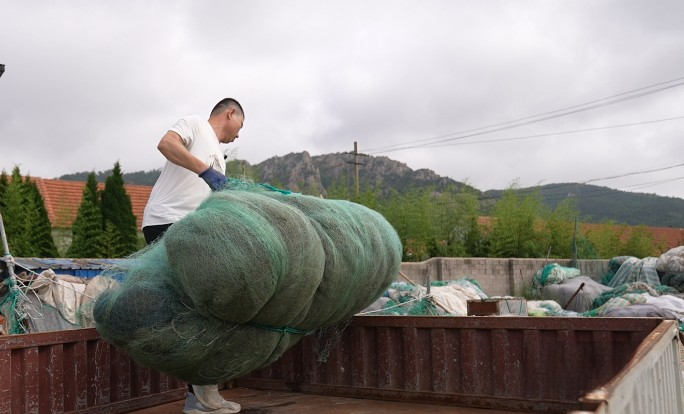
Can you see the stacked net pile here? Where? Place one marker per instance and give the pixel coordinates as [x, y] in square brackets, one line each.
[547, 308]
[670, 267]
[636, 270]
[445, 298]
[576, 294]
[627, 295]
[232, 285]
[554, 273]
[405, 299]
[32, 302]
[613, 266]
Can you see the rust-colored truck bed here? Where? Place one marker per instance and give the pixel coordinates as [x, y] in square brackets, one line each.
[280, 402]
[380, 364]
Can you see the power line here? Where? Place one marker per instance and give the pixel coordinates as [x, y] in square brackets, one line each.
[555, 133]
[522, 124]
[653, 183]
[633, 173]
[530, 119]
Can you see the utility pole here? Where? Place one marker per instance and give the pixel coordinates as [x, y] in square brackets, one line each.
[356, 163]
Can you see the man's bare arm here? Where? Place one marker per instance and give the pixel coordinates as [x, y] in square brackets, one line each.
[171, 146]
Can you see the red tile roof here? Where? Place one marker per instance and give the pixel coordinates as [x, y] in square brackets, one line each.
[62, 199]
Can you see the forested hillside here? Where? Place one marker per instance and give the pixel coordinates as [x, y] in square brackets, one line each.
[317, 175]
[599, 204]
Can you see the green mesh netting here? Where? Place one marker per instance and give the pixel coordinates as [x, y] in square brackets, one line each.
[232, 285]
[676, 281]
[407, 299]
[670, 267]
[618, 302]
[636, 270]
[554, 273]
[632, 288]
[9, 305]
[615, 263]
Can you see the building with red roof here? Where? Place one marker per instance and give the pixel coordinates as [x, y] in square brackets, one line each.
[63, 198]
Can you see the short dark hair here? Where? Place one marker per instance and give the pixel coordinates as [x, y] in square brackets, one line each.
[226, 104]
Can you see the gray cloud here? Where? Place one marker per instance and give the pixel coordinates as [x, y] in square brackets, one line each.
[88, 84]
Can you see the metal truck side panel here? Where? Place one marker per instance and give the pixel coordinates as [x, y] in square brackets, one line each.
[648, 383]
[76, 372]
[531, 364]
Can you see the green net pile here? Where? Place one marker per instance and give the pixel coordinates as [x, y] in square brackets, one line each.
[232, 285]
[407, 299]
[636, 270]
[632, 288]
[554, 273]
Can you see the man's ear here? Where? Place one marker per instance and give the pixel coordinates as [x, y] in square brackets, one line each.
[230, 113]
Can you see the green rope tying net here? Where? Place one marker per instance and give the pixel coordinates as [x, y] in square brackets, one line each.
[232, 285]
[9, 306]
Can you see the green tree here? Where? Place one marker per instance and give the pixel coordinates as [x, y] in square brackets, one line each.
[606, 239]
[474, 241]
[13, 214]
[109, 244]
[339, 190]
[447, 223]
[242, 169]
[409, 213]
[559, 228]
[431, 223]
[4, 183]
[640, 243]
[37, 227]
[25, 218]
[369, 198]
[118, 211]
[513, 233]
[88, 225]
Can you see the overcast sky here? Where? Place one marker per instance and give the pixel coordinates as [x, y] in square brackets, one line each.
[88, 83]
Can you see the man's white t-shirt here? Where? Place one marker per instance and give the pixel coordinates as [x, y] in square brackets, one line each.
[179, 191]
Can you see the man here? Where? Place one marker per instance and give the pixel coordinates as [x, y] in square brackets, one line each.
[194, 167]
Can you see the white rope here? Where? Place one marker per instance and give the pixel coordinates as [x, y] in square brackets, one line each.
[64, 284]
[397, 305]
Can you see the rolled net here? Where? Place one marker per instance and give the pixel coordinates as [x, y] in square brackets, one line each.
[232, 285]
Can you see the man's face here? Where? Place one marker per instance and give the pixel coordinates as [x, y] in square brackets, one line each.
[233, 125]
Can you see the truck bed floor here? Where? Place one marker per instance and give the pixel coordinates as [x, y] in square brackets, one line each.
[276, 402]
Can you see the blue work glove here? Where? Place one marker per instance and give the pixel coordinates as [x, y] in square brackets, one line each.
[215, 179]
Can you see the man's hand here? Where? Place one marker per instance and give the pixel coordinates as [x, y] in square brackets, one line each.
[215, 179]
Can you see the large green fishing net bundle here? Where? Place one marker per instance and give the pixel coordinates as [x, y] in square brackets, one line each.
[232, 285]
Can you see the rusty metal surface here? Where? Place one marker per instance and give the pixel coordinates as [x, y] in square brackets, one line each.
[76, 371]
[530, 364]
[651, 382]
[278, 402]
